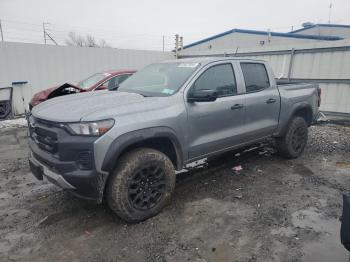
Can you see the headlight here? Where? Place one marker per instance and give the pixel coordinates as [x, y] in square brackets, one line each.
[97, 128]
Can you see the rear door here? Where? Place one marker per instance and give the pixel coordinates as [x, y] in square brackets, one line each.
[214, 126]
[262, 101]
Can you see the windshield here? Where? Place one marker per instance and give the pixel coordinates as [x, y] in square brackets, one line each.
[92, 80]
[162, 79]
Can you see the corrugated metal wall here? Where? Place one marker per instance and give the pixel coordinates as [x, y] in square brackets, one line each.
[325, 63]
[45, 66]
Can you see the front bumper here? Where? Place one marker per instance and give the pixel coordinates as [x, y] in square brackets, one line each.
[39, 171]
[82, 183]
[65, 160]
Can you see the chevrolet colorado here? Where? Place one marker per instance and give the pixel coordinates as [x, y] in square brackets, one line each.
[126, 145]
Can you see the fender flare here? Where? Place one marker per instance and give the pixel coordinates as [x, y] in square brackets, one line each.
[291, 114]
[127, 139]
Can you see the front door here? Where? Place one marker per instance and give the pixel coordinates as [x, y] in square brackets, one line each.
[214, 126]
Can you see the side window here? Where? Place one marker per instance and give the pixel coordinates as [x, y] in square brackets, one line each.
[255, 77]
[122, 78]
[114, 82]
[110, 84]
[220, 78]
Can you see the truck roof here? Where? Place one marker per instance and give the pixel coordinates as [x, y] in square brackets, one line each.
[207, 60]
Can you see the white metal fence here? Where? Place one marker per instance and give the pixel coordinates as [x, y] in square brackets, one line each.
[44, 66]
[326, 63]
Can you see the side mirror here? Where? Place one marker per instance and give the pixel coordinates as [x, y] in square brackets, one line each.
[202, 95]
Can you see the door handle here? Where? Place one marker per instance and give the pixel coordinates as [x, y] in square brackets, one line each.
[236, 106]
[270, 101]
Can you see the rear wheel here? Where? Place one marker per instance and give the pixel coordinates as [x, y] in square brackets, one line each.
[293, 143]
[141, 185]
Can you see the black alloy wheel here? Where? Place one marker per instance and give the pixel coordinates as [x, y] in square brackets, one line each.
[147, 187]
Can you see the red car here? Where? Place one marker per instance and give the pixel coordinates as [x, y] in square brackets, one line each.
[99, 81]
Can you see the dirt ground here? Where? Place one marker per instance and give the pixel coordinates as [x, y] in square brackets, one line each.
[272, 210]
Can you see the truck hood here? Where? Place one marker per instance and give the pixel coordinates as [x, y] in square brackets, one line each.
[92, 106]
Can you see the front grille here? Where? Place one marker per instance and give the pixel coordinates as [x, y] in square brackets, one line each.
[43, 135]
[45, 140]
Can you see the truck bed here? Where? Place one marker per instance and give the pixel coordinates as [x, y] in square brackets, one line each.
[297, 94]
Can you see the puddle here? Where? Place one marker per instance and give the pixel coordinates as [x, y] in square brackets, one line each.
[328, 247]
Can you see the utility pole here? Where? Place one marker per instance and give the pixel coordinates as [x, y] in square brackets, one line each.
[47, 36]
[44, 31]
[2, 34]
[330, 12]
[176, 45]
[181, 42]
[163, 42]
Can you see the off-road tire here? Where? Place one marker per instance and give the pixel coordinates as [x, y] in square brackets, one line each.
[133, 164]
[293, 143]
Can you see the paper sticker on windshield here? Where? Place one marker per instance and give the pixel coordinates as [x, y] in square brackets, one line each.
[190, 65]
[168, 91]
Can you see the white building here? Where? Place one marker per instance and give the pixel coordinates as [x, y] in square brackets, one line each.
[324, 30]
[236, 39]
[317, 53]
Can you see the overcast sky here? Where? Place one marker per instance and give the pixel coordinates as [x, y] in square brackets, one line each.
[141, 24]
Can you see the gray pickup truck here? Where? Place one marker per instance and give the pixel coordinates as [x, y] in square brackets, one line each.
[125, 145]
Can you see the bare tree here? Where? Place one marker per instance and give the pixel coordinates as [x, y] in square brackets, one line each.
[75, 40]
[103, 43]
[88, 41]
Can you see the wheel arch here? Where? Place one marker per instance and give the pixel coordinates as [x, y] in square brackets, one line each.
[303, 110]
[162, 139]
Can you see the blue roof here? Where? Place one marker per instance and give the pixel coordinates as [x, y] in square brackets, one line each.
[323, 25]
[255, 32]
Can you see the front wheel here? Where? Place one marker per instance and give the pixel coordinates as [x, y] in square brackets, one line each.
[293, 143]
[141, 185]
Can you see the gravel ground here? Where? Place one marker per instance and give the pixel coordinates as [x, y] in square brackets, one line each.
[272, 210]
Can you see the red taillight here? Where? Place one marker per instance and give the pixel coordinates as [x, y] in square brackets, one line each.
[319, 97]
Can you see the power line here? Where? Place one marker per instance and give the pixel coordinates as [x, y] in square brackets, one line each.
[14, 28]
[89, 29]
[71, 28]
[20, 22]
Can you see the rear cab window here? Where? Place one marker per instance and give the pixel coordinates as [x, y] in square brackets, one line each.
[255, 76]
